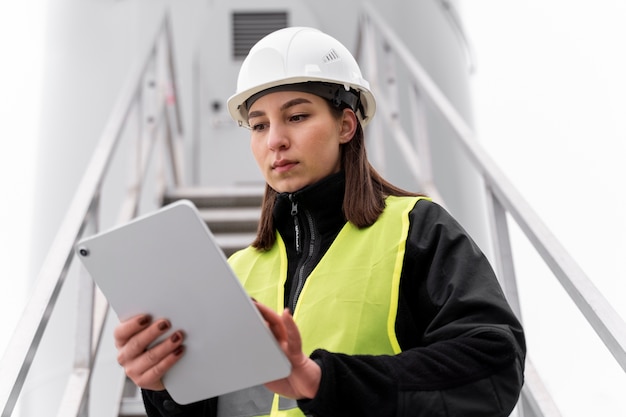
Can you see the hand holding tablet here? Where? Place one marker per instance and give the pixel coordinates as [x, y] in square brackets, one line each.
[167, 264]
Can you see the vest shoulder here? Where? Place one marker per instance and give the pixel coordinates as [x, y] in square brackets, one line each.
[405, 201]
[242, 254]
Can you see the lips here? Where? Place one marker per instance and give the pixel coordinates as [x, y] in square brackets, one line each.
[283, 165]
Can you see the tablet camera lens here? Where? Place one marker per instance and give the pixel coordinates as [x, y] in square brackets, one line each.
[83, 251]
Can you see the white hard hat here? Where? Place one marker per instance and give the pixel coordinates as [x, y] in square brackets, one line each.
[296, 56]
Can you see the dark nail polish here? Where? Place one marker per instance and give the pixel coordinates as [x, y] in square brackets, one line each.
[144, 320]
[175, 337]
[164, 325]
[178, 351]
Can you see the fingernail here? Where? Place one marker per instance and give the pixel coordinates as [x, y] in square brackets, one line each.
[143, 320]
[164, 325]
[175, 337]
[178, 351]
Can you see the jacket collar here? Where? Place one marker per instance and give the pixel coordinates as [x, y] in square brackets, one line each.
[322, 200]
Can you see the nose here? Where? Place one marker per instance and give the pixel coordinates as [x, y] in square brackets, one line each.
[277, 137]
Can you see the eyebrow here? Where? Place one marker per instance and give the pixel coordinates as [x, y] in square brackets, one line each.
[285, 106]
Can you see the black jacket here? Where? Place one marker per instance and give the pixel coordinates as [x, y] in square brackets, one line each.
[462, 347]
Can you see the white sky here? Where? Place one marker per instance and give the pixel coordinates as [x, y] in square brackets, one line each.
[21, 37]
[550, 95]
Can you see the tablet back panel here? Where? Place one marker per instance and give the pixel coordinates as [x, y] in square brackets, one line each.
[168, 264]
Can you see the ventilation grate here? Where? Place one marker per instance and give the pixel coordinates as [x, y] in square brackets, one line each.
[250, 27]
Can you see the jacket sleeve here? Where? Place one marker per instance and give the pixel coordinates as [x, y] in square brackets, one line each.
[161, 404]
[462, 347]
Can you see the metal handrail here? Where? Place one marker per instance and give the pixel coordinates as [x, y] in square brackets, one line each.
[502, 196]
[150, 91]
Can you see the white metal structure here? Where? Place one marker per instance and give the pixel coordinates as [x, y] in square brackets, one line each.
[139, 159]
[144, 122]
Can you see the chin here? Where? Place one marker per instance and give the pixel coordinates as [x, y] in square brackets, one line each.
[287, 187]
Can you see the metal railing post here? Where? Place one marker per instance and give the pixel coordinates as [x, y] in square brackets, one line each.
[76, 397]
[172, 109]
[367, 47]
[503, 252]
[422, 142]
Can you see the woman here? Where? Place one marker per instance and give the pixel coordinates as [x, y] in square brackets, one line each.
[388, 307]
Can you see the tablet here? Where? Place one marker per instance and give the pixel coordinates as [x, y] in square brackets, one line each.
[168, 264]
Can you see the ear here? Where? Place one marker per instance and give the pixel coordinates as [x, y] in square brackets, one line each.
[348, 126]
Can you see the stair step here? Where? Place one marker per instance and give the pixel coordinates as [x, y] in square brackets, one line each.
[232, 242]
[235, 196]
[132, 407]
[232, 213]
[224, 220]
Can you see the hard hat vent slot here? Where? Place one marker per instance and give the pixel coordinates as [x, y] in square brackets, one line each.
[332, 55]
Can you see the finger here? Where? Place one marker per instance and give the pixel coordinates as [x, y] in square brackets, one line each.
[154, 375]
[139, 342]
[148, 368]
[155, 355]
[273, 321]
[293, 333]
[156, 361]
[128, 328]
[152, 379]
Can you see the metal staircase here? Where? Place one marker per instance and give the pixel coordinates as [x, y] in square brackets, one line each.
[146, 124]
[232, 213]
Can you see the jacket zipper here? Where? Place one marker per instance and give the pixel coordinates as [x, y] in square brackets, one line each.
[299, 275]
[296, 224]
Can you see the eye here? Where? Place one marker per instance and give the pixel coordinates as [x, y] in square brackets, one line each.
[298, 117]
[258, 127]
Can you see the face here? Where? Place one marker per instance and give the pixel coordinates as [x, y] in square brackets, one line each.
[296, 139]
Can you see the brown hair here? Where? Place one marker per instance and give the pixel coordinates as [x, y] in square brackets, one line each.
[365, 190]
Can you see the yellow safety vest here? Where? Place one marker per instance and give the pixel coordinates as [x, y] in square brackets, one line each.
[347, 305]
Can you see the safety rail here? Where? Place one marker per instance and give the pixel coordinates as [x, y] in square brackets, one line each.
[376, 37]
[147, 113]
